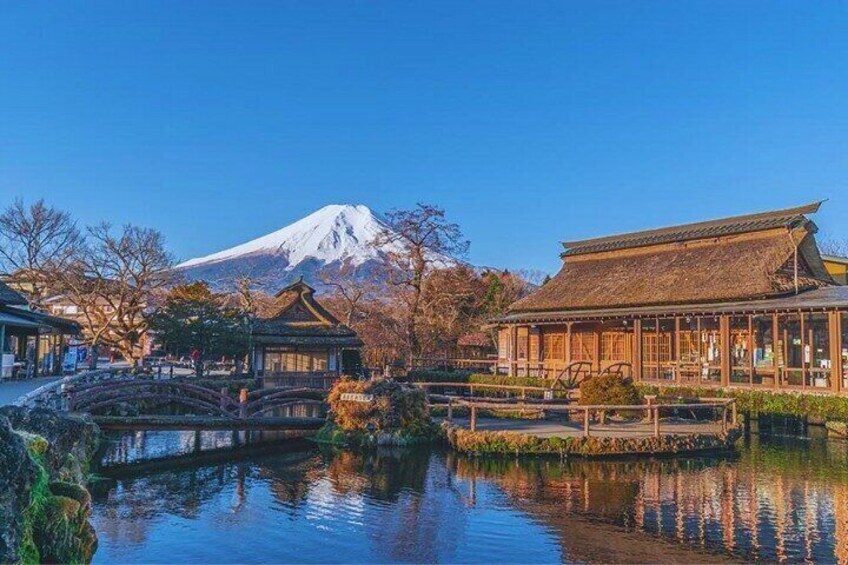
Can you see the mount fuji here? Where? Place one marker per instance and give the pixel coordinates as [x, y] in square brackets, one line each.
[336, 236]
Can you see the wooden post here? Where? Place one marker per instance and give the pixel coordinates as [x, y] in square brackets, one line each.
[473, 419]
[656, 422]
[678, 376]
[450, 410]
[836, 345]
[733, 415]
[724, 418]
[224, 397]
[724, 337]
[585, 422]
[243, 403]
[637, 350]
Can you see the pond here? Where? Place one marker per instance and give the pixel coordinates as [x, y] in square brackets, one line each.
[776, 500]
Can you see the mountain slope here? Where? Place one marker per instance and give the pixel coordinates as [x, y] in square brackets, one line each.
[313, 247]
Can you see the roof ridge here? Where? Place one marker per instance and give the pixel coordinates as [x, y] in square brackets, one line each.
[743, 223]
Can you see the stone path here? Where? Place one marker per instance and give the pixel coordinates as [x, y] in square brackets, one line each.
[12, 390]
[553, 428]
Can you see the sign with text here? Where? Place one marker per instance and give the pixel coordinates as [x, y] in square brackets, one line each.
[357, 397]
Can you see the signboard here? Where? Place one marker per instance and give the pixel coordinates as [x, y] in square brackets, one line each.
[69, 362]
[549, 395]
[356, 397]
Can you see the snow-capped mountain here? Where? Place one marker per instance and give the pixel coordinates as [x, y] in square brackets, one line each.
[312, 247]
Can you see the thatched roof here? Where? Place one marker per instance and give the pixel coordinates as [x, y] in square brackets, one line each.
[299, 319]
[671, 266]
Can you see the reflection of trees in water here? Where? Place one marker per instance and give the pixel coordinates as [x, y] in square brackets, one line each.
[129, 508]
[132, 504]
[777, 500]
[418, 516]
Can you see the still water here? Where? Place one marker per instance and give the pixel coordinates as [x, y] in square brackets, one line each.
[776, 500]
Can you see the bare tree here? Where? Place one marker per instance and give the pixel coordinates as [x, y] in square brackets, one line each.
[420, 238]
[830, 245]
[349, 290]
[36, 242]
[112, 281]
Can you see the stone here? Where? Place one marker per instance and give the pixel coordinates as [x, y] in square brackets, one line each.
[18, 475]
[72, 439]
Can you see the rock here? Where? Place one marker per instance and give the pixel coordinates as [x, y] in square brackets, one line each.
[837, 429]
[44, 458]
[72, 439]
[18, 475]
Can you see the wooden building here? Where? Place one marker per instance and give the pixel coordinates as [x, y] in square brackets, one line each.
[31, 343]
[743, 301]
[301, 341]
[837, 267]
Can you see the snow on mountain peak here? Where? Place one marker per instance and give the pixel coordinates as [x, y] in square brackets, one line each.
[336, 232]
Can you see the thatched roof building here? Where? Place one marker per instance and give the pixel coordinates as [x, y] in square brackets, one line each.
[691, 285]
[301, 337]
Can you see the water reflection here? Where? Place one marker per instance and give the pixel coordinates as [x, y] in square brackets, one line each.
[777, 500]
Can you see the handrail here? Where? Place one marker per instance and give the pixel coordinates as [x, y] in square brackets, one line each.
[652, 409]
[480, 385]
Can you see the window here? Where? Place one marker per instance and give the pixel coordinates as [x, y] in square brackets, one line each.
[762, 338]
[553, 346]
[281, 361]
[740, 350]
[503, 344]
[521, 346]
[582, 346]
[817, 350]
[613, 346]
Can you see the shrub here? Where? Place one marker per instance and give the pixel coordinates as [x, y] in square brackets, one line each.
[395, 408]
[609, 389]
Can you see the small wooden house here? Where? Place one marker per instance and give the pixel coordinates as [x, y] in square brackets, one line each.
[302, 344]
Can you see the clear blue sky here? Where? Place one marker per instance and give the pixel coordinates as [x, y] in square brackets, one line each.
[530, 122]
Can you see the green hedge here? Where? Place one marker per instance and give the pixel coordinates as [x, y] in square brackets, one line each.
[509, 381]
[764, 402]
[430, 376]
[510, 443]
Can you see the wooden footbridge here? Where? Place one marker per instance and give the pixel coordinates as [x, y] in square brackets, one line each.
[283, 408]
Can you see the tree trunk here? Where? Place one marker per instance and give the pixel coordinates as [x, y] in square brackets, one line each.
[93, 352]
[198, 367]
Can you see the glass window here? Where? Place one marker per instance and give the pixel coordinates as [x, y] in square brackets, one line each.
[689, 356]
[553, 346]
[582, 346]
[281, 361]
[763, 349]
[521, 346]
[740, 350]
[657, 349]
[710, 349]
[790, 348]
[817, 350]
[613, 346]
[503, 343]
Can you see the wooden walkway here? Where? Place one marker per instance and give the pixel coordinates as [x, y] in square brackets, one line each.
[553, 428]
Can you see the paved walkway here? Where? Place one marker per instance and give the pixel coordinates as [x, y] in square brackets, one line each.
[12, 390]
[553, 428]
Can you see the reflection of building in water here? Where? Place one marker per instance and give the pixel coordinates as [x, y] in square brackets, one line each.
[768, 505]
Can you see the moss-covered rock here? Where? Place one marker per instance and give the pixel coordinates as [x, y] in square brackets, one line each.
[395, 414]
[45, 521]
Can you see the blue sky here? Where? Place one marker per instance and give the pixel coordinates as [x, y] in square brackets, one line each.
[529, 122]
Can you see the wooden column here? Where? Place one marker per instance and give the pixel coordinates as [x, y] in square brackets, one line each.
[637, 350]
[677, 375]
[568, 343]
[724, 336]
[513, 350]
[596, 352]
[836, 345]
